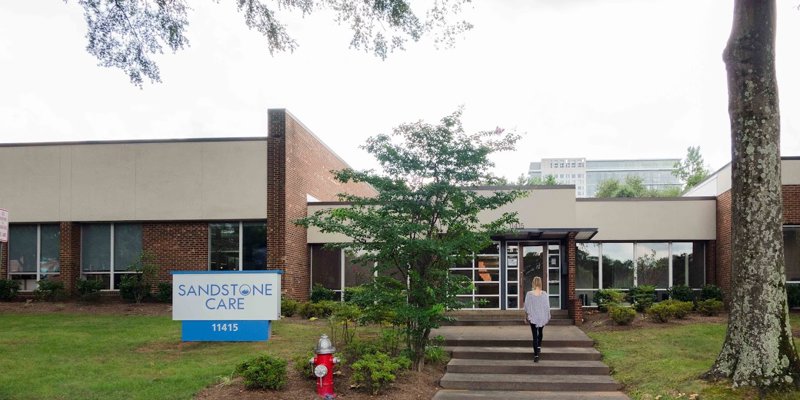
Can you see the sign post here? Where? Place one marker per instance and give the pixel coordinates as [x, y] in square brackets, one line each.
[226, 306]
[3, 225]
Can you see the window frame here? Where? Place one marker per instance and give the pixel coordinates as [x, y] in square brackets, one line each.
[112, 261]
[783, 229]
[342, 265]
[240, 232]
[38, 260]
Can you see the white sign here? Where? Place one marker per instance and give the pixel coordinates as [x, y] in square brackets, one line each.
[226, 296]
[3, 225]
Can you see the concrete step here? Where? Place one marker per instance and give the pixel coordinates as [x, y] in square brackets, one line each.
[519, 342]
[525, 395]
[523, 353]
[520, 382]
[545, 366]
[495, 321]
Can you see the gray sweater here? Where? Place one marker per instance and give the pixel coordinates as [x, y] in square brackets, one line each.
[537, 308]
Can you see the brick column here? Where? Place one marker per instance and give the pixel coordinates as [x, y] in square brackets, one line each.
[70, 255]
[276, 194]
[724, 244]
[3, 260]
[574, 303]
[711, 261]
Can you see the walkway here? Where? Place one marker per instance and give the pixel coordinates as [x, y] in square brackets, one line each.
[496, 362]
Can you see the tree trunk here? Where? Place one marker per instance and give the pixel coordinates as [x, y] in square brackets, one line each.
[758, 349]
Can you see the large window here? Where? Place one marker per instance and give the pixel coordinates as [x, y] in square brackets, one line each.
[624, 265]
[109, 251]
[237, 246]
[337, 269]
[791, 253]
[484, 271]
[33, 252]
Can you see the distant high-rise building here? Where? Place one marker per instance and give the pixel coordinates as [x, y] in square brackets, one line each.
[586, 175]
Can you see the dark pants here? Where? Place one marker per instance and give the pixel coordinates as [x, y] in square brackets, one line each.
[537, 338]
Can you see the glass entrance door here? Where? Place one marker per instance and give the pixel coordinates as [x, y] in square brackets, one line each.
[524, 261]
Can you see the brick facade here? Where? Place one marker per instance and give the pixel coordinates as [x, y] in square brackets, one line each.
[3, 260]
[574, 304]
[181, 246]
[302, 163]
[70, 254]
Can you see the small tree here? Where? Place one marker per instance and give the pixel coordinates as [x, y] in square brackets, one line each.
[423, 220]
[692, 169]
[138, 285]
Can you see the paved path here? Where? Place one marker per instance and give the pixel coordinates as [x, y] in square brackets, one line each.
[496, 362]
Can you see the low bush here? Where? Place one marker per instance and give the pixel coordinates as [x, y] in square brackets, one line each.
[289, 307]
[8, 289]
[322, 309]
[134, 288]
[263, 372]
[164, 292]
[642, 297]
[793, 295]
[320, 293]
[89, 289]
[376, 371]
[343, 322]
[605, 298]
[354, 294]
[680, 309]
[436, 355]
[50, 290]
[661, 312]
[359, 348]
[681, 293]
[303, 365]
[709, 307]
[710, 292]
[622, 315]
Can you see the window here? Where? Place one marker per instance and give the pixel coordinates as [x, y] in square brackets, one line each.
[337, 269]
[652, 264]
[109, 251]
[791, 253]
[688, 264]
[33, 254]
[484, 271]
[237, 246]
[617, 265]
[587, 271]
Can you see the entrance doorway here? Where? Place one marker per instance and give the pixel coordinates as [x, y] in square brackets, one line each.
[526, 260]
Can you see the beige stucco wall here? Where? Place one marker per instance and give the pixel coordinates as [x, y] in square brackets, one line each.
[190, 180]
[651, 219]
[314, 235]
[721, 181]
[547, 207]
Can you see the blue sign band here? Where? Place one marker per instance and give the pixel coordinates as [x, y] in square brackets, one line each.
[260, 271]
[224, 331]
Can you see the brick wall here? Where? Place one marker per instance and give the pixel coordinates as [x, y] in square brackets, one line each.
[722, 274]
[302, 163]
[176, 246]
[70, 254]
[574, 304]
[791, 204]
[3, 260]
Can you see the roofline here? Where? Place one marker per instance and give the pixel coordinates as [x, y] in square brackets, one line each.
[138, 141]
[680, 198]
[520, 187]
[715, 173]
[310, 132]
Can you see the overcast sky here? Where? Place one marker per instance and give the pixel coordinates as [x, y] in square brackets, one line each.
[580, 78]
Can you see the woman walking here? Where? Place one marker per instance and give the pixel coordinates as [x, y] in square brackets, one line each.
[537, 314]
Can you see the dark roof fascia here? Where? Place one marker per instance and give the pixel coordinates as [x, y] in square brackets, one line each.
[618, 199]
[520, 187]
[329, 203]
[139, 141]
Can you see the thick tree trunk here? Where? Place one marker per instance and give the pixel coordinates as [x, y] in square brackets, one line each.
[758, 349]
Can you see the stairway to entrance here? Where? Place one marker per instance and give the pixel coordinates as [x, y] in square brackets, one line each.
[492, 358]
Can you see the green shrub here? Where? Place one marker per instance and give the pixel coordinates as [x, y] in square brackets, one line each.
[359, 348]
[606, 298]
[681, 293]
[50, 290]
[263, 372]
[711, 292]
[8, 289]
[289, 307]
[376, 371]
[622, 315]
[436, 355]
[164, 293]
[89, 289]
[320, 293]
[709, 307]
[680, 309]
[134, 288]
[302, 364]
[642, 297]
[661, 312]
[343, 322]
[354, 294]
[323, 309]
[793, 295]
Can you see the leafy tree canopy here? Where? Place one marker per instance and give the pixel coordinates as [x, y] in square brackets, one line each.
[424, 218]
[126, 34]
[692, 169]
[632, 187]
[548, 180]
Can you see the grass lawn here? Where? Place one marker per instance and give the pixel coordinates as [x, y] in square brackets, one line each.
[86, 356]
[668, 361]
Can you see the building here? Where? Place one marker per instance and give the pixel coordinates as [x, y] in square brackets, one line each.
[587, 175]
[87, 210]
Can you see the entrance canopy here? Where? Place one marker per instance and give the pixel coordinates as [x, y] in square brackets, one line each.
[547, 233]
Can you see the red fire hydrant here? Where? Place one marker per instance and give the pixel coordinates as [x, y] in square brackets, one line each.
[323, 364]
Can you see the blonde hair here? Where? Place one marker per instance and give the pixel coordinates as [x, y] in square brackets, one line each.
[537, 282]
